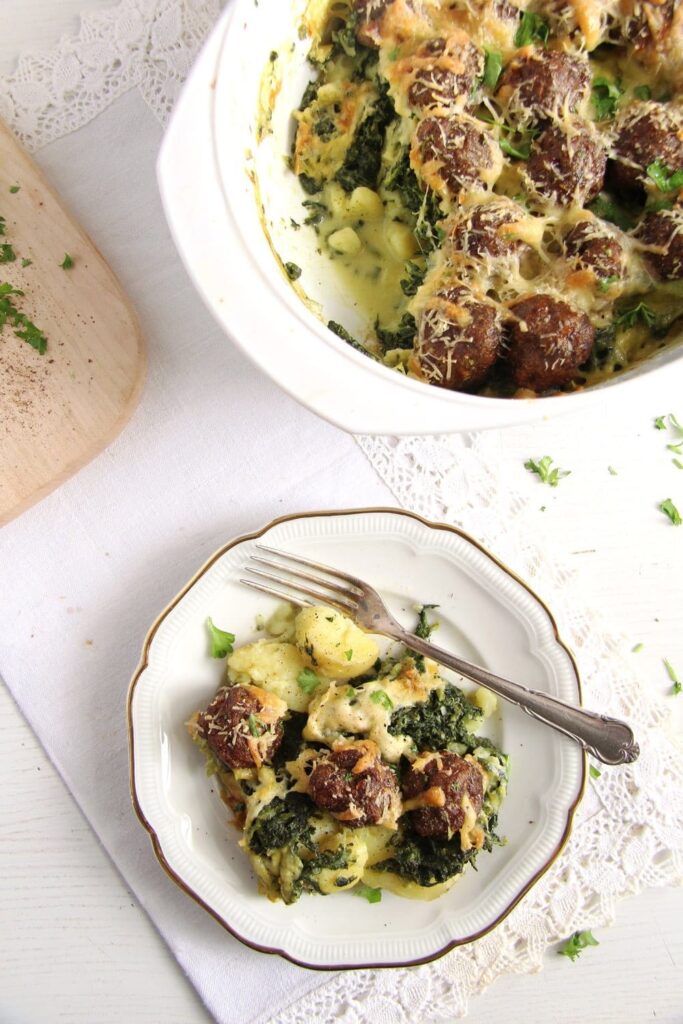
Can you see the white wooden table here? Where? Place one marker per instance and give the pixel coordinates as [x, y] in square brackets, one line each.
[74, 946]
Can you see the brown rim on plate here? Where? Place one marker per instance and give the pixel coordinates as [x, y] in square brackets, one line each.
[142, 665]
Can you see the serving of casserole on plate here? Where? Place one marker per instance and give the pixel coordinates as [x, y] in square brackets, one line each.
[484, 613]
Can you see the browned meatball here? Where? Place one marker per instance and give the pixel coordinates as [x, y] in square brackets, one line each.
[354, 785]
[243, 725]
[537, 85]
[445, 73]
[369, 25]
[647, 22]
[481, 230]
[458, 339]
[547, 343]
[662, 233]
[590, 246]
[452, 153]
[567, 168]
[441, 782]
[646, 132]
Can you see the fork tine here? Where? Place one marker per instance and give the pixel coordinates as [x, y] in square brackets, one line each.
[255, 585]
[310, 564]
[298, 574]
[346, 606]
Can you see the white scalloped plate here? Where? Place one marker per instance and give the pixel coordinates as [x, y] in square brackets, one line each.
[487, 615]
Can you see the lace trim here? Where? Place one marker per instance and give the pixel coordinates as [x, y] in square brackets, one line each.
[628, 832]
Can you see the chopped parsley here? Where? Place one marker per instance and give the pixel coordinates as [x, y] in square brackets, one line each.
[221, 642]
[348, 655]
[671, 672]
[351, 693]
[255, 727]
[605, 97]
[520, 152]
[293, 271]
[493, 67]
[637, 647]
[606, 283]
[607, 208]
[641, 313]
[545, 474]
[659, 423]
[67, 263]
[369, 894]
[26, 262]
[578, 942]
[664, 178]
[307, 680]
[382, 698]
[23, 327]
[14, 189]
[643, 92]
[531, 27]
[612, 471]
[593, 772]
[669, 509]
[7, 253]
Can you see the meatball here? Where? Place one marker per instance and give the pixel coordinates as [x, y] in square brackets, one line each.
[539, 84]
[458, 339]
[567, 168]
[454, 153]
[590, 246]
[370, 14]
[445, 72]
[662, 233]
[440, 783]
[355, 786]
[481, 231]
[547, 343]
[648, 22]
[243, 725]
[647, 132]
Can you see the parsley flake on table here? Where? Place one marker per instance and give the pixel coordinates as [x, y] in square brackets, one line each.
[677, 686]
[578, 942]
[636, 648]
[23, 327]
[659, 423]
[7, 253]
[369, 894]
[67, 263]
[594, 772]
[26, 262]
[14, 189]
[221, 642]
[669, 509]
[307, 680]
[543, 470]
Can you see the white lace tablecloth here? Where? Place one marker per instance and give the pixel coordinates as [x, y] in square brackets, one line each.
[95, 561]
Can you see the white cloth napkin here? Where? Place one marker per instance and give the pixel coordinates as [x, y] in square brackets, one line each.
[213, 450]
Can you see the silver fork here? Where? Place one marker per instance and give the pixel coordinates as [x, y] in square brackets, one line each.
[607, 739]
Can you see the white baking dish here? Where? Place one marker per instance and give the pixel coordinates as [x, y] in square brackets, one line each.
[215, 177]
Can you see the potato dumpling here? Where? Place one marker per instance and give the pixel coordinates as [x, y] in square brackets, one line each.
[332, 644]
[274, 666]
[330, 880]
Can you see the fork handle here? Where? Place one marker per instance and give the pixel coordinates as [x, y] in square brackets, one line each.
[607, 739]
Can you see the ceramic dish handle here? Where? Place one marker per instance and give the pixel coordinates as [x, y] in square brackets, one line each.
[607, 739]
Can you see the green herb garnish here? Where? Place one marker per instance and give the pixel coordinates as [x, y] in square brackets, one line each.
[382, 698]
[607, 208]
[659, 423]
[348, 655]
[606, 283]
[307, 680]
[542, 469]
[293, 271]
[671, 672]
[642, 313]
[664, 178]
[669, 509]
[637, 647]
[493, 66]
[67, 263]
[593, 772]
[369, 894]
[605, 97]
[7, 253]
[14, 189]
[531, 27]
[23, 327]
[579, 941]
[221, 642]
[255, 727]
[643, 92]
[519, 152]
[26, 262]
[612, 471]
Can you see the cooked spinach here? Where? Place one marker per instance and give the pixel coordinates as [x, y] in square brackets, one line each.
[416, 275]
[401, 337]
[363, 158]
[438, 722]
[282, 823]
[310, 185]
[292, 740]
[344, 38]
[424, 203]
[325, 128]
[310, 93]
[425, 860]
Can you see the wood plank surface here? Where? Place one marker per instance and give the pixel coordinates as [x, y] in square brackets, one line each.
[58, 409]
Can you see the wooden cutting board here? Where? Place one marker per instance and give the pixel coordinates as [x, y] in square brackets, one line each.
[59, 409]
